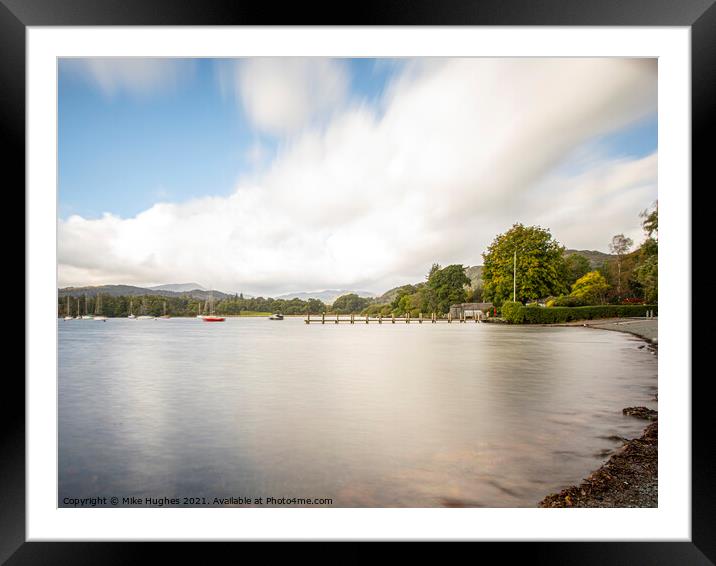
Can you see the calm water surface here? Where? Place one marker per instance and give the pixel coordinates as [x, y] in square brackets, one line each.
[367, 415]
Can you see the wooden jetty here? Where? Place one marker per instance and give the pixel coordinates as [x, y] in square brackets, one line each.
[380, 319]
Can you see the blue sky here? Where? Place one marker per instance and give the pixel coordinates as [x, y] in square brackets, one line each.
[275, 175]
[122, 152]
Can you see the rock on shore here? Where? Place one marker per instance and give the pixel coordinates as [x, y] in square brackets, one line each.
[628, 479]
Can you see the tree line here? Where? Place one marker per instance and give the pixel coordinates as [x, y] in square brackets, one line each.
[525, 263]
[155, 305]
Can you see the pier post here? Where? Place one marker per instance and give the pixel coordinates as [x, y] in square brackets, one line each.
[392, 318]
[366, 319]
[421, 318]
[407, 318]
[380, 319]
[323, 318]
[308, 318]
[336, 318]
[449, 317]
[351, 318]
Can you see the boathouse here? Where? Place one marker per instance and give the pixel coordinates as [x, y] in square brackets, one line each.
[470, 310]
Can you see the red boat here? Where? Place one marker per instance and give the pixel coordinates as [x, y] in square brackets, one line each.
[209, 307]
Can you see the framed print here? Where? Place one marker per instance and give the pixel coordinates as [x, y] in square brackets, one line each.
[388, 279]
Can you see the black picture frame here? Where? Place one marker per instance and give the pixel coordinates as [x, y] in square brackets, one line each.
[17, 15]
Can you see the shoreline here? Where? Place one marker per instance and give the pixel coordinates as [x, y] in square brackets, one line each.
[644, 328]
[629, 478]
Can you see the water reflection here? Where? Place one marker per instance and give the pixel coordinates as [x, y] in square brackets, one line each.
[368, 415]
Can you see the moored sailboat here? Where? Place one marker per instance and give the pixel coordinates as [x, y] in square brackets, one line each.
[144, 315]
[211, 317]
[68, 314]
[131, 314]
[98, 309]
[87, 315]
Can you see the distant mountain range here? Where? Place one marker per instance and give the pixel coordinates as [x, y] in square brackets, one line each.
[196, 291]
[178, 287]
[327, 295]
[130, 290]
[596, 259]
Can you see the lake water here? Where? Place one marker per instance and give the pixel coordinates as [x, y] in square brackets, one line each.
[366, 415]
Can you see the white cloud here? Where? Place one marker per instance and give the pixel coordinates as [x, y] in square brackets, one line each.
[256, 155]
[134, 76]
[281, 95]
[459, 150]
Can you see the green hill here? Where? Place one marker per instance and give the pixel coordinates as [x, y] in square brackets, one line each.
[474, 273]
[130, 290]
[596, 259]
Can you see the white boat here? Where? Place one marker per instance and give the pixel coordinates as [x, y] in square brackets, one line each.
[144, 316]
[131, 315]
[68, 316]
[276, 316]
[87, 315]
[98, 309]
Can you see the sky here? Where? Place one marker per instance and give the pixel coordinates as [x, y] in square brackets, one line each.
[275, 175]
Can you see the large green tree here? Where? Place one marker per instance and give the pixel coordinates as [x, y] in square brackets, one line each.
[446, 287]
[350, 303]
[540, 267]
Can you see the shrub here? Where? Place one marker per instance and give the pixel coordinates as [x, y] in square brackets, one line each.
[512, 312]
[591, 288]
[515, 313]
